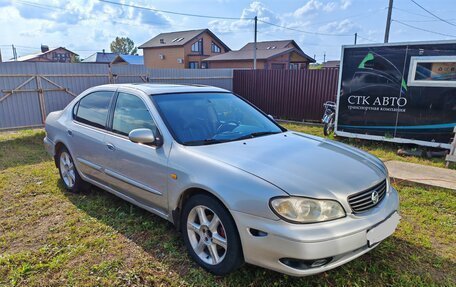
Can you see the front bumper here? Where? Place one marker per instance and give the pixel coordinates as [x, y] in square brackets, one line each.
[49, 146]
[341, 240]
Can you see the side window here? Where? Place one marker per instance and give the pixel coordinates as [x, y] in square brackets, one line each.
[93, 109]
[432, 71]
[198, 46]
[131, 113]
[215, 48]
[193, 65]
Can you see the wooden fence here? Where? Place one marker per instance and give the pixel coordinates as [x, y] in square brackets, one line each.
[288, 94]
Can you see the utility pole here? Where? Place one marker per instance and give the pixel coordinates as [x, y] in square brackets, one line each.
[14, 53]
[324, 57]
[255, 45]
[388, 21]
[356, 37]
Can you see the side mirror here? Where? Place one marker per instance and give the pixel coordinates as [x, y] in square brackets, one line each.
[144, 136]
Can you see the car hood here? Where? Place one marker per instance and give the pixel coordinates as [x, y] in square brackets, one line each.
[301, 164]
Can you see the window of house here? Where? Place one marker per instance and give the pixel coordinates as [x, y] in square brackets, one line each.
[294, 66]
[131, 113]
[60, 57]
[215, 48]
[436, 71]
[93, 109]
[198, 46]
[204, 65]
[193, 65]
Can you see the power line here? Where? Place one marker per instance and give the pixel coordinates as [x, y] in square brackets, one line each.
[348, 17]
[188, 14]
[441, 19]
[37, 5]
[172, 12]
[306, 32]
[411, 13]
[425, 30]
[424, 21]
[136, 7]
[55, 8]
[367, 39]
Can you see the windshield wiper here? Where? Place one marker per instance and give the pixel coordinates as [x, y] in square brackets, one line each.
[216, 141]
[205, 142]
[256, 134]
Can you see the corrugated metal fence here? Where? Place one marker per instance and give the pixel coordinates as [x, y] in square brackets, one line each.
[29, 91]
[288, 94]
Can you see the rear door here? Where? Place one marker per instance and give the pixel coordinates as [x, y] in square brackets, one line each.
[136, 170]
[87, 132]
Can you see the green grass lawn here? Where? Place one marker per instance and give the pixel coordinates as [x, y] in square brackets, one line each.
[49, 237]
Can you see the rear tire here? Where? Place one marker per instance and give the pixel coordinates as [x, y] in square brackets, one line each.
[210, 235]
[68, 172]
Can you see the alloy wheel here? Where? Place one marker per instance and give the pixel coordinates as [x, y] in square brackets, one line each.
[207, 235]
[67, 169]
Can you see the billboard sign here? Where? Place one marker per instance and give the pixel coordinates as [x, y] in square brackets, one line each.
[402, 93]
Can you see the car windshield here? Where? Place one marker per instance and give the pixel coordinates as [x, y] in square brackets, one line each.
[210, 118]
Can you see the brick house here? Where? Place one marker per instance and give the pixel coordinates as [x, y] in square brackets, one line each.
[60, 55]
[270, 55]
[182, 50]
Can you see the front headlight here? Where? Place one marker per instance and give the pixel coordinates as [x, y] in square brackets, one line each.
[306, 210]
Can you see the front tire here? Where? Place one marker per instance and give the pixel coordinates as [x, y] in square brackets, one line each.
[210, 235]
[68, 173]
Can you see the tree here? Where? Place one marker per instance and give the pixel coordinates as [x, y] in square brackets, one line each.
[75, 59]
[123, 46]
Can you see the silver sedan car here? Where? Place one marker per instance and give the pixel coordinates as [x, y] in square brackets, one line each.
[239, 187]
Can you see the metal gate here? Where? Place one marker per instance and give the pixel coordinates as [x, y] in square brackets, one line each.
[30, 91]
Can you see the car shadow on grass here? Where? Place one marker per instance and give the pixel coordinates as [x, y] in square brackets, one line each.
[24, 150]
[395, 262]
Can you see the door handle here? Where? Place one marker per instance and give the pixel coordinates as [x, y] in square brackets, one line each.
[70, 132]
[110, 147]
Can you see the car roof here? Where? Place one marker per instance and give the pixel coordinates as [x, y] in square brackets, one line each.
[152, 89]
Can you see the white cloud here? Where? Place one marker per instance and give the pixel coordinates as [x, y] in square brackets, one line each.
[311, 5]
[344, 4]
[72, 12]
[315, 5]
[338, 27]
[255, 8]
[329, 7]
[83, 26]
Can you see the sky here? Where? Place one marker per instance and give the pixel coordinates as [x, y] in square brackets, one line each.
[88, 26]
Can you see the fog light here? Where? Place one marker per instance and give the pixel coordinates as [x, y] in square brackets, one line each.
[305, 264]
[318, 263]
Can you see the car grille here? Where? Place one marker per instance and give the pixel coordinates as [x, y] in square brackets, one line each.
[365, 200]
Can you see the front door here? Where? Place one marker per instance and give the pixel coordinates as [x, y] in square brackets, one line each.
[137, 170]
